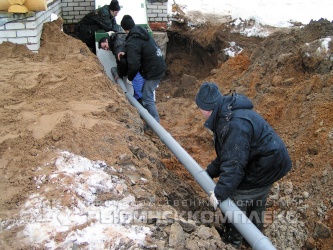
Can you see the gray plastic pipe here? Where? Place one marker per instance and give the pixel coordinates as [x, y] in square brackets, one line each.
[243, 224]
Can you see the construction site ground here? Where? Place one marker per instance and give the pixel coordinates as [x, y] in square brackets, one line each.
[61, 100]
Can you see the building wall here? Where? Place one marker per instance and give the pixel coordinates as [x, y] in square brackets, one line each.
[28, 31]
[74, 10]
[157, 12]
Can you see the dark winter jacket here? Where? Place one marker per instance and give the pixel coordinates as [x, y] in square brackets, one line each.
[117, 44]
[249, 152]
[143, 55]
[100, 19]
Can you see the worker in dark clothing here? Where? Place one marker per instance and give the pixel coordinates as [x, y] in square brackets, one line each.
[115, 43]
[250, 156]
[144, 56]
[103, 18]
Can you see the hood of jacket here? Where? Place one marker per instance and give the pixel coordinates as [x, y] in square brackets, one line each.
[225, 108]
[138, 32]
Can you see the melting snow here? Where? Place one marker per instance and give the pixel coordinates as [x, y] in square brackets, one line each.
[49, 224]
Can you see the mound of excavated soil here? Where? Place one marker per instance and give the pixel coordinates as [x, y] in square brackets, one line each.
[61, 100]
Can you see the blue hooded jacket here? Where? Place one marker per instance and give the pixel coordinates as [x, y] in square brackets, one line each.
[249, 152]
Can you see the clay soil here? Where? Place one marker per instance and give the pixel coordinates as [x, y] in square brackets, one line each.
[61, 99]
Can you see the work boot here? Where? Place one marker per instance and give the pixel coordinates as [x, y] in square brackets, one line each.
[228, 238]
[233, 237]
[146, 128]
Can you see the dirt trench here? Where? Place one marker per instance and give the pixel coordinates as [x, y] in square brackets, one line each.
[294, 99]
[61, 99]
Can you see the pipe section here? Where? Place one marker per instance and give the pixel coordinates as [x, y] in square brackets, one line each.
[243, 224]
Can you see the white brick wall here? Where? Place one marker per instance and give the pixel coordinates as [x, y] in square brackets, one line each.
[28, 31]
[74, 10]
[157, 12]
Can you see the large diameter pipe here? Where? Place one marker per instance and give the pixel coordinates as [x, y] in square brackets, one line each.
[234, 215]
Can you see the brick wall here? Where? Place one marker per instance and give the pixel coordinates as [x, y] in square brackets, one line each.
[28, 31]
[157, 13]
[74, 10]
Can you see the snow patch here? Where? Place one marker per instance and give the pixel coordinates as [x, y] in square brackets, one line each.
[81, 223]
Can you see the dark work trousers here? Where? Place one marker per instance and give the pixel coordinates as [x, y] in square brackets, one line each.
[253, 203]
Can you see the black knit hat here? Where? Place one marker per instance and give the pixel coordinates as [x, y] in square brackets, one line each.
[114, 5]
[127, 22]
[208, 96]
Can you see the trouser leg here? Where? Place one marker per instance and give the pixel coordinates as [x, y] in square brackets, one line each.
[232, 236]
[256, 212]
[252, 202]
[128, 85]
[148, 98]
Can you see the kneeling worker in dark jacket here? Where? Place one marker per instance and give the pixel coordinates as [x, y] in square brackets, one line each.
[250, 154]
[115, 43]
